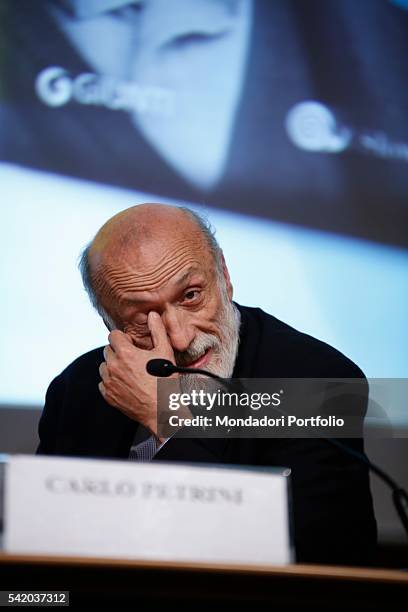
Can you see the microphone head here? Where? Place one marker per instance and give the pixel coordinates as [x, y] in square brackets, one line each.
[160, 368]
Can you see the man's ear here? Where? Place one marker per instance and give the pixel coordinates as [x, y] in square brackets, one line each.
[227, 278]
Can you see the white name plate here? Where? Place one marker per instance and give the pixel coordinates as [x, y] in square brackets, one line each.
[160, 511]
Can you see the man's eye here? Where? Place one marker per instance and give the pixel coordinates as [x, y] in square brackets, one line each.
[191, 295]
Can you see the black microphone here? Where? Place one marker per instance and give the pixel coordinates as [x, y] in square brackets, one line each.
[163, 368]
[160, 368]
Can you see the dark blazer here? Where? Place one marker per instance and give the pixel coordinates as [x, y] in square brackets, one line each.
[332, 505]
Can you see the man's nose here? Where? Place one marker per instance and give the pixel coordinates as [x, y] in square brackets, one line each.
[180, 331]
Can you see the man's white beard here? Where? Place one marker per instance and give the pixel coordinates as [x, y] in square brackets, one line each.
[224, 350]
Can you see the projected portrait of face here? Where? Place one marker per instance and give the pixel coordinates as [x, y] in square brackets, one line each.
[176, 67]
[233, 104]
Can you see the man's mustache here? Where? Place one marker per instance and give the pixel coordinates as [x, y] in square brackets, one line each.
[197, 348]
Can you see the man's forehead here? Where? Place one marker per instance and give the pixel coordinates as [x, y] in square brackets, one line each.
[177, 282]
[150, 256]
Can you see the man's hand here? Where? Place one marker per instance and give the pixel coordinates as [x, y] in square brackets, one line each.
[125, 383]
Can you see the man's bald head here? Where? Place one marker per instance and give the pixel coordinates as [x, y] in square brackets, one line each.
[142, 232]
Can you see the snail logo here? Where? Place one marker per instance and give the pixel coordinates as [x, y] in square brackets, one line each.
[54, 86]
[311, 126]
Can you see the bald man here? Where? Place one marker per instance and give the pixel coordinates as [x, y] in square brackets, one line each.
[162, 287]
[159, 280]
